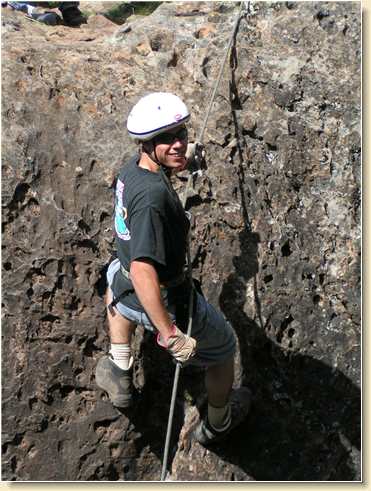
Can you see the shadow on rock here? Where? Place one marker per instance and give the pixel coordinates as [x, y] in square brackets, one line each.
[305, 419]
[306, 416]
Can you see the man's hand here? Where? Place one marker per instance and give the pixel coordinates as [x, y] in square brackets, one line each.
[195, 156]
[181, 347]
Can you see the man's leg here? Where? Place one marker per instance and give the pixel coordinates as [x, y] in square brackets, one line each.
[120, 329]
[226, 407]
[120, 332]
[216, 344]
[218, 381]
[113, 373]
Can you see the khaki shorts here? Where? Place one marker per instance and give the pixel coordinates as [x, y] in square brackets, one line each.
[215, 338]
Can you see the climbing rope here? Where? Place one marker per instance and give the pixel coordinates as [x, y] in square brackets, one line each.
[202, 131]
[177, 369]
[244, 5]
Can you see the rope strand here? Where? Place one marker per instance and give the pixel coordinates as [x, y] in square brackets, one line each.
[201, 134]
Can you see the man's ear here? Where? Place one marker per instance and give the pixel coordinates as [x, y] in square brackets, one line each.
[147, 147]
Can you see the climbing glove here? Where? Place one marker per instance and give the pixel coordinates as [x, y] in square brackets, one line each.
[181, 347]
[195, 156]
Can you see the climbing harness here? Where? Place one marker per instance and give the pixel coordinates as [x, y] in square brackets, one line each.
[243, 6]
[163, 286]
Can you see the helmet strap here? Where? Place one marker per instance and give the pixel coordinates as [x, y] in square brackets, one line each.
[152, 153]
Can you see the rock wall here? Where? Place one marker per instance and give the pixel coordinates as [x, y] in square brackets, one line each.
[276, 240]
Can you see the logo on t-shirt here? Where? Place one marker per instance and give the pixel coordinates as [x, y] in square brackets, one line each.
[121, 213]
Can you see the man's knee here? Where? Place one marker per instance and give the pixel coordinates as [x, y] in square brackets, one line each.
[114, 317]
[222, 370]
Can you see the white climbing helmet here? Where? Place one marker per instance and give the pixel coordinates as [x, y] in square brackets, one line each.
[156, 113]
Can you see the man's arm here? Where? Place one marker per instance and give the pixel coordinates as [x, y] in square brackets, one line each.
[147, 287]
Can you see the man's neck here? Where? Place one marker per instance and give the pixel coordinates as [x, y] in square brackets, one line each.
[146, 162]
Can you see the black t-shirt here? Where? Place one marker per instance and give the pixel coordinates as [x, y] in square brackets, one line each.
[150, 223]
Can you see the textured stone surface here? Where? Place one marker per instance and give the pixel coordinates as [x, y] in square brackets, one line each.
[276, 241]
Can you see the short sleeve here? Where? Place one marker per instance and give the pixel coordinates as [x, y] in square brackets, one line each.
[147, 236]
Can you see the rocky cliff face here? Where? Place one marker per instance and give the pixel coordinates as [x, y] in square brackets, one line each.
[276, 241]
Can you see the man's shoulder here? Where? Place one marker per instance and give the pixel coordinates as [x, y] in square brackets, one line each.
[141, 187]
[128, 167]
[132, 179]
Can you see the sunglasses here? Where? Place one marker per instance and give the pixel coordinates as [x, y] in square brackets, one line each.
[169, 138]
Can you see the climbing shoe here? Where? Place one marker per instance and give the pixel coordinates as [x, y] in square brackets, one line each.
[115, 381]
[73, 17]
[240, 401]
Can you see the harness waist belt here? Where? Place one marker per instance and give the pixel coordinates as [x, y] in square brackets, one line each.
[166, 284]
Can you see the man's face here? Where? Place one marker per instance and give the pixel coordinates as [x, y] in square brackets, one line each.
[171, 147]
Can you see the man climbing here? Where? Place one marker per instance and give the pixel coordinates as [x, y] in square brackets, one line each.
[71, 14]
[147, 283]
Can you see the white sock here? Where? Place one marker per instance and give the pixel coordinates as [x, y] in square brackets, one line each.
[30, 9]
[219, 417]
[121, 354]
